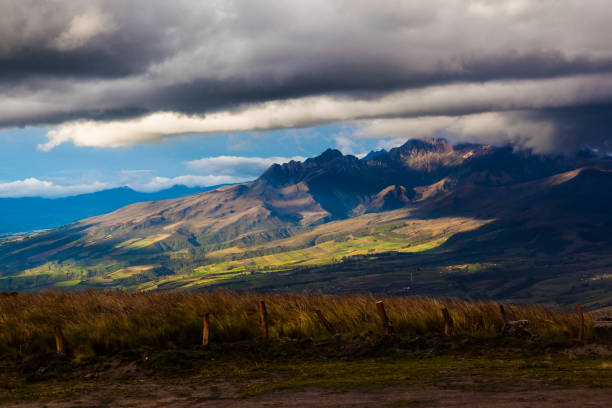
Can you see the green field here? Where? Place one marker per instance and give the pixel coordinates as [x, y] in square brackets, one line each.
[390, 252]
[328, 244]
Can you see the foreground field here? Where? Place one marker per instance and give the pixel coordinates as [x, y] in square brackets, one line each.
[418, 380]
[100, 323]
[144, 349]
[188, 395]
[361, 371]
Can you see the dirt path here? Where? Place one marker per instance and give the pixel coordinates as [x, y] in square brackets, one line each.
[226, 395]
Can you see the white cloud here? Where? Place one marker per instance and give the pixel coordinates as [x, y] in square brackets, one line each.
[33, 187]
[237, 166]
[451, 101]
[162, 183]
[347, 145]
[390, 143]
[83, 28]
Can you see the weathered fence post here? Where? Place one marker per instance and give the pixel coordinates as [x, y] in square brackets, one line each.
[580, 322]
[448, 323]
[205, 329]
[263, 315]
[325, 322]
[503, 313]
[387, 325]
[60, 343]
[504, 317]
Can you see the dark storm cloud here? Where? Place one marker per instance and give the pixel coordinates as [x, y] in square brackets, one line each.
[360, 79]
[82, 39]
[578, 127]
[109, 60]
[85, 63]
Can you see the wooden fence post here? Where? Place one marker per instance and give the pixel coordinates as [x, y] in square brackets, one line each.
[205, 329]
[581, 322]
[60, 343]
[263, 315]
[504, 317]
[325, 322]
[503, 313]
[448, 323]
[387, 325]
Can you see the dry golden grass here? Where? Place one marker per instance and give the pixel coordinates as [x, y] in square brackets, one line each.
[99, 323]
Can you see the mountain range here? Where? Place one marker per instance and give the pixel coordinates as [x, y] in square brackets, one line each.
[424, 218]
[27, 214]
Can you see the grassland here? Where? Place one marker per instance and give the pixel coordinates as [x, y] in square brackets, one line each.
[99, 323]
[118, 340]
[328, 244]
[391, 253]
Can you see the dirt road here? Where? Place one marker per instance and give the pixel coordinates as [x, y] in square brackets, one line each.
[190, 394]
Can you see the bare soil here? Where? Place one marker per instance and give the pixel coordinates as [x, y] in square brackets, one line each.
[225, 394]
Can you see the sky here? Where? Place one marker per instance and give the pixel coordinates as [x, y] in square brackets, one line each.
[149, 94]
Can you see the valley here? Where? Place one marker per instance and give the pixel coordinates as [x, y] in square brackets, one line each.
[426, 218]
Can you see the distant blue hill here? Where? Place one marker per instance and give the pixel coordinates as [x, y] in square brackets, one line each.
[36, 213]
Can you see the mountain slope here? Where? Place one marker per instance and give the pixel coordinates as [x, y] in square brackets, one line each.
[439, 205]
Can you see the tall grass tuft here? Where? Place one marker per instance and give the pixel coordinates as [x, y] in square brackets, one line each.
[100, 323]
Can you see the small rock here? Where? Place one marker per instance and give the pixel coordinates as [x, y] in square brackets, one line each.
[602, 329]
[307, 341]
[517, 328]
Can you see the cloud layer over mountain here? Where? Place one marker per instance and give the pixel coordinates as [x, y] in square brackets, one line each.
[111, 73]
[212, 171]
[238, 166]
[33, 187]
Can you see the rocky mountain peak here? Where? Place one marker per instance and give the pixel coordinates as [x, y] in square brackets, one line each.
[328, 155]
[422, 146]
